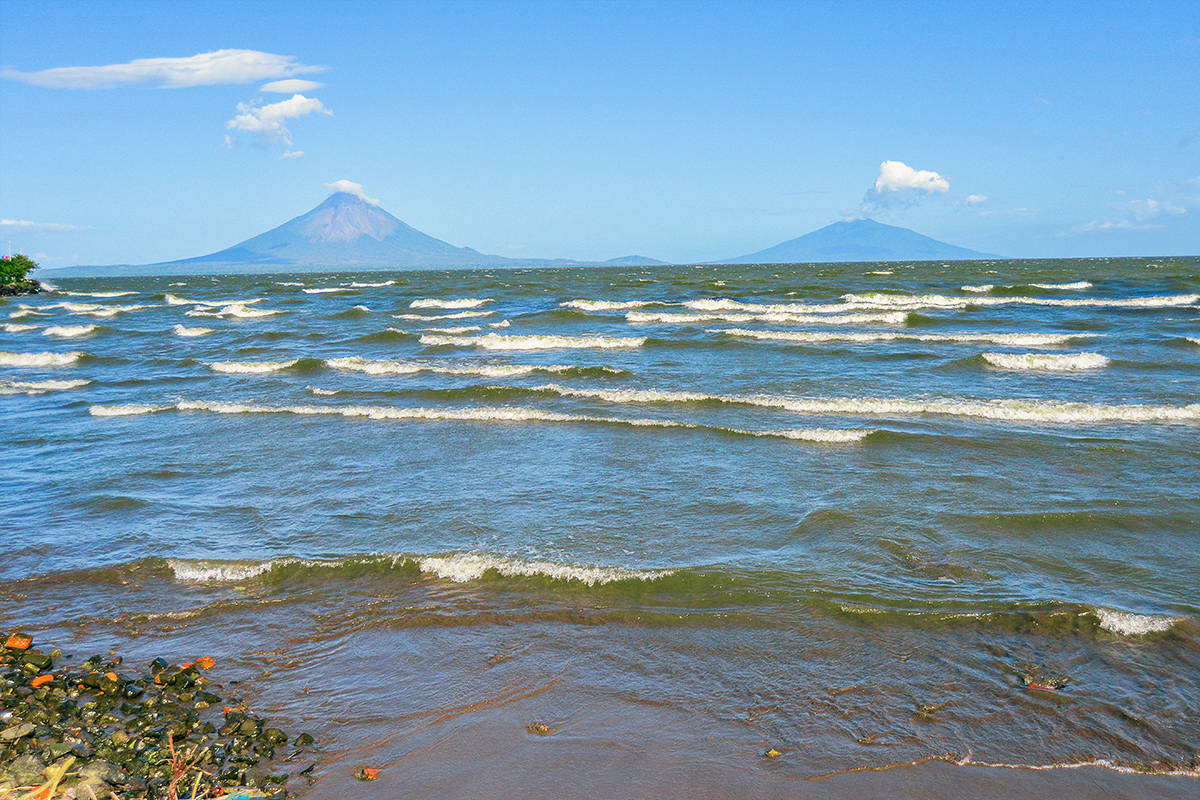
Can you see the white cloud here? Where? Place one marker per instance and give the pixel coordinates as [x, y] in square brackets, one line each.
[269, 122]
[292, 154]
[350, 187]
[976, 199]
[899, 186]
[290, 86]
[29, 225]
[896, 176]
[202, 69]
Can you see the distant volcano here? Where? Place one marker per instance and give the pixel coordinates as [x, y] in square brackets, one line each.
[858, 240]
[348, 232]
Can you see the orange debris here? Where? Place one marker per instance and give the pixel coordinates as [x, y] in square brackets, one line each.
[19, 641]
[41, 680]
[205, 662]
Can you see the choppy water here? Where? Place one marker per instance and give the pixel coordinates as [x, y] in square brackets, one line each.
[679, 514]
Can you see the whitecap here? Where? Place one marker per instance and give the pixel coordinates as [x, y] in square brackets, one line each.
[358, 285]
[462, 302]
[70, 331]
[608, 305]
[101, 295]
[39, 359]
[495, 341]
[452, 331]
[327, 290]
[1075, 285]
[980, 289]
[1051, 362]
[818, 337]
[251, 367]
[885, 318]
[125, 409]
[39, 387]
[181, 330]
[456, 315]
[462, 567]
[1127, 623]
[10, 327]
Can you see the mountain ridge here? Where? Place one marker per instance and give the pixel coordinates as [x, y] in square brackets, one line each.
[857, 240]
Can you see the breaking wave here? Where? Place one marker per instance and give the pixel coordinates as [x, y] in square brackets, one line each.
[329, 289]
[180, 330]
[10, 327]
[70, 331]
[816, 337]
[39, 387]
[1074, 286]
[876, 299]
[1051, 362]
[252, 367]
[462, 302]
[1012, 410]
[495, 341]
[886, 318]
[40, 359]
[477, 414]
[608, 305]
[361, 285]
[237, 310]
[356, 364]
[457, 315]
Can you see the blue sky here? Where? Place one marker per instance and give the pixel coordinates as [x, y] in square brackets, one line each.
[682, 131]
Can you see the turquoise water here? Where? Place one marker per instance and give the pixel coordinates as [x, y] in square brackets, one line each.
[847, 510]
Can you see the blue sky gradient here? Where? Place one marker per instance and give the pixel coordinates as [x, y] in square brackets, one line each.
[681, 131]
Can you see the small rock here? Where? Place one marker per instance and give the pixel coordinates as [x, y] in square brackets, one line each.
[17, 731]
[105, 771]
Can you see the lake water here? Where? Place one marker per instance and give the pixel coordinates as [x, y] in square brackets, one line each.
[679, 515]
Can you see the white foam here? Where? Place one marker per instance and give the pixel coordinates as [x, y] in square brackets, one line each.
[319, 392]
[817, 337]
[26, 311]
[1076, 285]
[501, 324]
[39, 387]
[328, 290]
[286, 283]
[237, 310]
[1009, 409]
[220, 571]
[873, 272]
[1050, 362]
[125, 409]
[173, 300]
[48, 287]
[1126, 623]
[462, 302]
[981, 289]
[876, 299]
[1101, 763]
[99, 294]
[456, 315]
[608, 305]
[356, 364]
[70, 331]
[1194, 340]
[477, 414]
[886, 318]
[463, 567]
[181, 330]
[495, 341]
[361, 308]
[251, 367]
[10, 327]
[97, 309]
[453, 331]
[358, 285]
[39, 359]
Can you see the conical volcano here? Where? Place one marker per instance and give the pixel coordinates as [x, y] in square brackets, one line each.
[344, 231]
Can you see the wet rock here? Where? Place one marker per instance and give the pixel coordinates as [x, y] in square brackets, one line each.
[105, 771]
[17, 731]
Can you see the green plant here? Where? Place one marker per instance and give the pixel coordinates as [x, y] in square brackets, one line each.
[14, 269]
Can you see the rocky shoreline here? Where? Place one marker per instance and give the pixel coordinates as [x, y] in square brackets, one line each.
[98, 730]
[27, 286]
